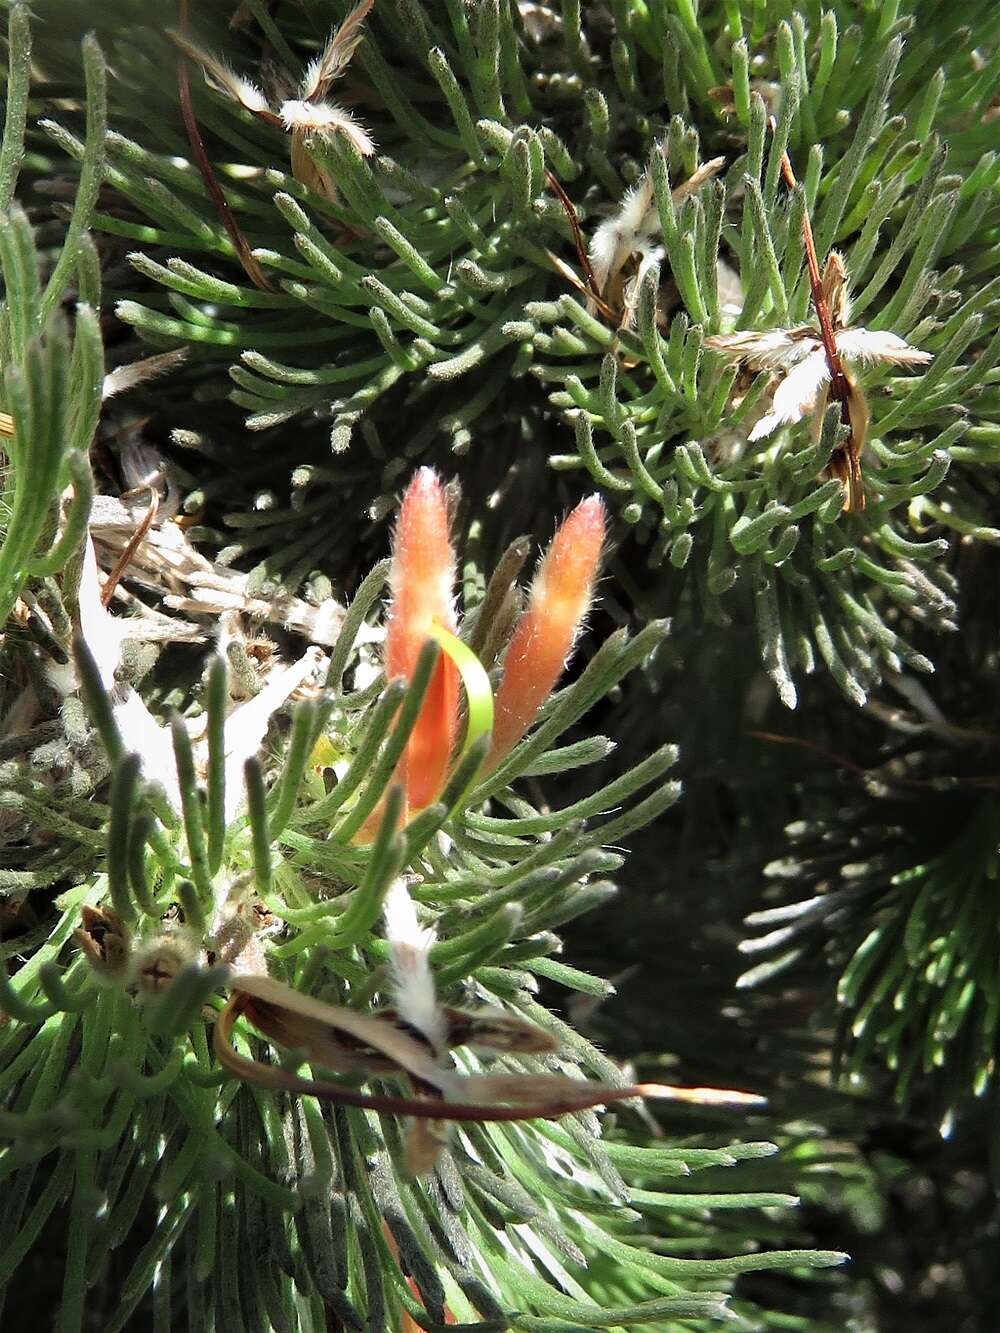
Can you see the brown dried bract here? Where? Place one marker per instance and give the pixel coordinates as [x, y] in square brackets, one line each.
[104, 939]
[333, 1035]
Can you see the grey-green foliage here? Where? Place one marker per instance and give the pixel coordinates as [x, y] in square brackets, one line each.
[880, 895]
[51, 376]
[276, 1212]
[903, 911]
[428, 281]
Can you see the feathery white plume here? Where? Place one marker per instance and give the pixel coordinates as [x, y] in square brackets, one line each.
[342, 44]
[799, 357]
[137, 372]
[222, 78]
[409, 950]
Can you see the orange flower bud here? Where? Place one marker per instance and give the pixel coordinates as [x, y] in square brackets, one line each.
[558, 603]
[422, 579]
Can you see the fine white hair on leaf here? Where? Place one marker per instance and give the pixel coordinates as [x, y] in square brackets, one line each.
[630, 297]
[250, 96]
[409, 951]
[873, 345]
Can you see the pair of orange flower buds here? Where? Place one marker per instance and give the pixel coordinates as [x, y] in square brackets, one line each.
[422, 582]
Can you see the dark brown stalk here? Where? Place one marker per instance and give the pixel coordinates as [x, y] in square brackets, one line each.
[574, 222]
[987, 782]
[840, 387]
[252, 269]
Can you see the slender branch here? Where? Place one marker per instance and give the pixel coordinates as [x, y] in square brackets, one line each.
[987, 782]
[574, 222]
[838, 380]
[251, 267]
[131, 546]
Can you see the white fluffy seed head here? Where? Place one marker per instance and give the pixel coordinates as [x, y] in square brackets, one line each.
[305, 117]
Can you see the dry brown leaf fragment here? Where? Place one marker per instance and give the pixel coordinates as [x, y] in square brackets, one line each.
[305, 1024]
[496, 1030]
[412, 1041]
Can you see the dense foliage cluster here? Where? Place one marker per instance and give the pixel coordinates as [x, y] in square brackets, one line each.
[298, 841]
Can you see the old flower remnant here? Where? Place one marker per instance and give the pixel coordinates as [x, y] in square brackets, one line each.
[413, 1042]
[309, 115]
[624, 246]
[101, 636]
[807, 383]
[811, 362]
[629, 242]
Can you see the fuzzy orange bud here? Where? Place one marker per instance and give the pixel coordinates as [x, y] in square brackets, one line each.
[560, 598]
[422, 579]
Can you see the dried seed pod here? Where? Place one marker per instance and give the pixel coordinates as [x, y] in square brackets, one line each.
[495, 1030]
[105, 939]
